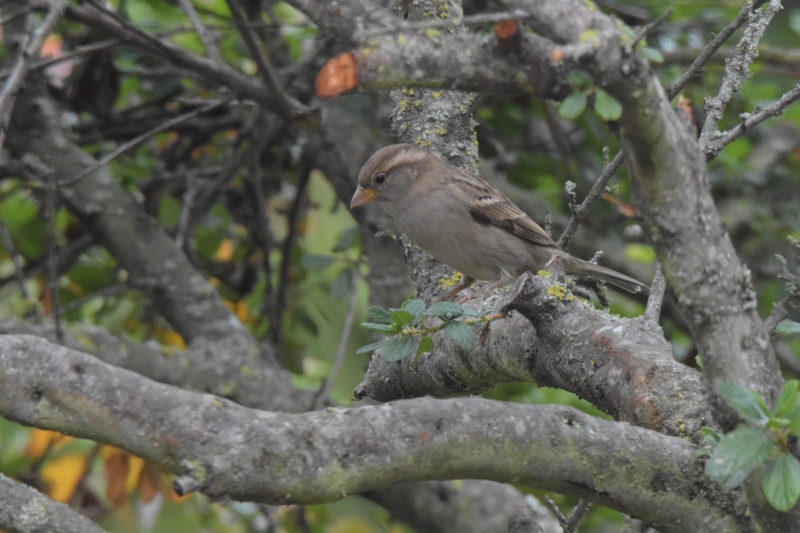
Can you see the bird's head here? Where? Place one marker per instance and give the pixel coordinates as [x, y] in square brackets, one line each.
[390, 174]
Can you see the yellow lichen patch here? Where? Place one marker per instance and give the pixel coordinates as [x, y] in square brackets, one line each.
[436, 94]
[439, 130]
[589, 35]
[560, 291]
[590, 5]
[448, 282]
[417, 103]
[419, 141]
[402, 104]
[402, 39]
[433, 34]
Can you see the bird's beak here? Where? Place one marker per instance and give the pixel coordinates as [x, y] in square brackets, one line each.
[362, 196]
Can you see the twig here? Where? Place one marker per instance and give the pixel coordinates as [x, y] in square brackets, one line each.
[344, 340]
[22, 64]
[181, 235]
[52, 259]
[19, 275]
[650, 26]
[207, 37]
[444, 23]
[286, 259]
[714, 147]
[656, 298]
[548, 501]
[80, 50]
[111, 290]
[597, 190]
[736, 70]
[263, 219]
[266, 70]
[708, 51]
[143, 137]
[12, 16]
[569, 524]
[577, 515]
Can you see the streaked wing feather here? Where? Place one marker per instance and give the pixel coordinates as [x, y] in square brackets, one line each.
[487, 205]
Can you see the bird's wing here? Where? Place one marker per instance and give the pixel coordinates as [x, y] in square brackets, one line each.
[486, 205]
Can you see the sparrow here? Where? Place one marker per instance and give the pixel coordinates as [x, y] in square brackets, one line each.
[463, 221]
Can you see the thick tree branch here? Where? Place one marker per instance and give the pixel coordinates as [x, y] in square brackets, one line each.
[458, 61]
[623, 367]
[24, 509]
[274, 458]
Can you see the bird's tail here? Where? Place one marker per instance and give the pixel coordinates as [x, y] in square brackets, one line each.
[578, 267]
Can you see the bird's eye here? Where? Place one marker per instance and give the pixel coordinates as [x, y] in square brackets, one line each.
[380, 178]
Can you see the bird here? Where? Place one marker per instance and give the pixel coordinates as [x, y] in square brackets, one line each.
[464, 222]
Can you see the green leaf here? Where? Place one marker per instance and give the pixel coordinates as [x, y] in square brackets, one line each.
[443, 309]
[607, 106]
[316, 261]
[699, 361]
[346, 240]
[788, 327]
[375, 345]
[460, 333]
[386, 234]
[425, 345]
[745, 404]
[711, 434]
[416, 308]
[18, 209]
[379, 315]
[794, 425]
[401, 317]
[794, 20]
[399, 348]
[737, 455]
[651, 54]
[381, 328]
[572, 106]
[341, 285]
[782, 482]
[787, 400]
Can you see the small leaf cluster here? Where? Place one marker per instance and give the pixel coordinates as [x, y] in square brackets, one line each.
[737, 454]
[408, 331]
[606, 106]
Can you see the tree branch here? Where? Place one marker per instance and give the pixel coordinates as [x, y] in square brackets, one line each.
[25, 509]
[273, 458]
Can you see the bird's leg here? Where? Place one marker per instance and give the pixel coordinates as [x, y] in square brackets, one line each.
[484, 291]
[465, 283]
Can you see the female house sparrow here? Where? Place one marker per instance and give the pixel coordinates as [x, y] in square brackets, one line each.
[463, 221]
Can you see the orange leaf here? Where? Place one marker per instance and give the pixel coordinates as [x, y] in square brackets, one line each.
[557, 54]
[148, 487]
[225, 250]
[625, 208]
[117, 469]
[52, 46]
[41, 438]
[337, 75]
[505, 29]
[62, 475]
[683, 105]
[170, 338]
